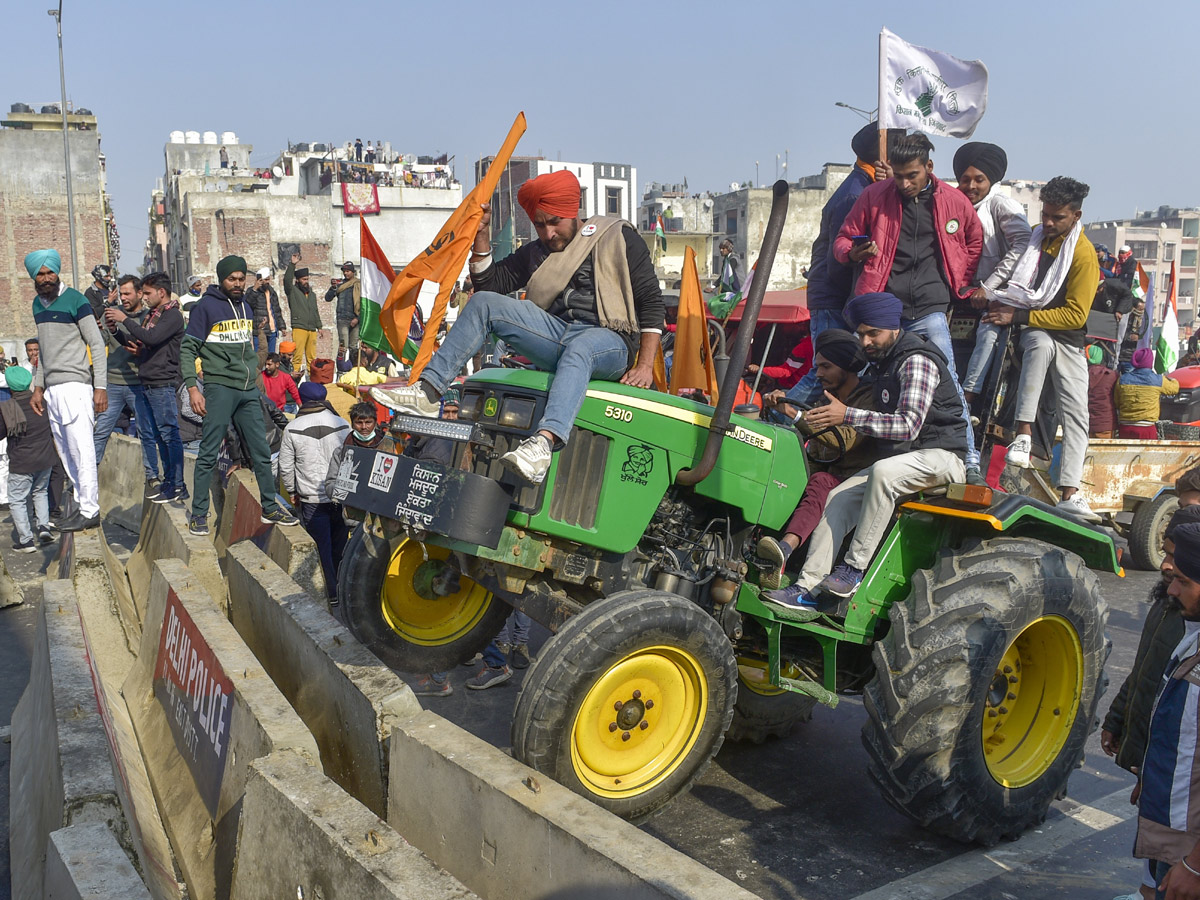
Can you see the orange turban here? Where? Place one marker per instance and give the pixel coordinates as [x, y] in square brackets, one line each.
[557, 193]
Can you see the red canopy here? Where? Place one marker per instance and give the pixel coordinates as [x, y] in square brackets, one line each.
[779, 308]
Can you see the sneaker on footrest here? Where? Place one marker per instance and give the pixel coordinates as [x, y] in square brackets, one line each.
[791, 597]
[1079, 509]
[1019, 450]
[776, 553]
[410, 399]
[842, 582]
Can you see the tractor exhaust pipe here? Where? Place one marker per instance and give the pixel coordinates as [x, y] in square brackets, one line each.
[745, 336]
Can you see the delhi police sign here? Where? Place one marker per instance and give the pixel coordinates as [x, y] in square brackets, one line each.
[197, 698]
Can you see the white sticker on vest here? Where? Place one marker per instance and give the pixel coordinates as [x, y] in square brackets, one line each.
[952, 226]
[588, 230]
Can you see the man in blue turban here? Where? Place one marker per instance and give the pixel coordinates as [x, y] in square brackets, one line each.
[65, 387]
[919, 430]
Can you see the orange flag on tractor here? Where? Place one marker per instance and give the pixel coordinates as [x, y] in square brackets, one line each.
[443, 260]
[693, 363]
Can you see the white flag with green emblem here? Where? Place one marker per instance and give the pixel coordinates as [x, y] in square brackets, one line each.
[929, 91]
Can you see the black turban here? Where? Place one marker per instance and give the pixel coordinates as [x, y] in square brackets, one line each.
[841, 348]
[865, 144]
[1187, 550]
[1185, 515]
[989, 159]
[1188, 481]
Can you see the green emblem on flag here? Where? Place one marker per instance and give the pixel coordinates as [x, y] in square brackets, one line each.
[925, 102]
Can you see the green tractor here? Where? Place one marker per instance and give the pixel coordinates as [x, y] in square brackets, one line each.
[977, 637]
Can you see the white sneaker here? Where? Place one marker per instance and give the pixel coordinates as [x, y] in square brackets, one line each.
[1018, 451]
[409, 399]
[1078, 507]
[530, 460]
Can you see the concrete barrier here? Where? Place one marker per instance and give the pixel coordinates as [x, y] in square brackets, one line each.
[204, 710]
[165, 535]
[61, 773]
[304, 837]
[507, 831]
[348, 699]
[123, 481]
[85, 862]
[292, 548]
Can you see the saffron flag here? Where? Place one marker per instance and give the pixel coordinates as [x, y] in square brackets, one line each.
[692, 366]
[375, 276]
[929, 91]
[1140, 283]
[1166, 350]
[443, 260]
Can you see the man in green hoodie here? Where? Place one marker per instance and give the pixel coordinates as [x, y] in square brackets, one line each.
[220, 332]
[306, 318]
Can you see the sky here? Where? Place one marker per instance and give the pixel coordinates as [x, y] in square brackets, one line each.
[693, 90]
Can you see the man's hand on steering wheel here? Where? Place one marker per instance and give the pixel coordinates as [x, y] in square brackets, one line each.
[639, 376]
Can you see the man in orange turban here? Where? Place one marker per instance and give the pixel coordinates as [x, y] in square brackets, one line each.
[592, 309]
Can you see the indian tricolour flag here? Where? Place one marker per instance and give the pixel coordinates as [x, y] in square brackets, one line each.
[1166, 349]
[660, 234]
[376, 278]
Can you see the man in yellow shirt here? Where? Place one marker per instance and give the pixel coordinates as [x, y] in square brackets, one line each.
[1052, 339]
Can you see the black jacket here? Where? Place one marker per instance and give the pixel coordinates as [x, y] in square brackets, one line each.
[34, 450]
[577, 303]
[158, 358]
[944, 427]
[1129, 716]
[258, 302]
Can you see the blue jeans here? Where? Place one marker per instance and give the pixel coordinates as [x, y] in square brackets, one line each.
[324, 523]
[272, 340]
[164, 423]
[936, 327]
[515, 630]
[119, 395]
[807, 390]
[492, 657]
[19, 488]
[574, 353]
[980, 362]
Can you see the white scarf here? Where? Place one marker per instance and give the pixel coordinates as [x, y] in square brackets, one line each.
[1020, 291]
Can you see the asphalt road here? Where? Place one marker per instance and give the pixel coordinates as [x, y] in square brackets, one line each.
[798, 817]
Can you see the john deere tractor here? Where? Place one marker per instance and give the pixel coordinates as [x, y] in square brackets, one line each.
[977, 636]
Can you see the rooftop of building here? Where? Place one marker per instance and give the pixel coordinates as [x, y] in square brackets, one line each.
[48, 118]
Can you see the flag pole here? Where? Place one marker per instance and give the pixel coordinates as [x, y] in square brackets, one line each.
[882, 68]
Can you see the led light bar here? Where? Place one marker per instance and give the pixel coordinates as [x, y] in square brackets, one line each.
[439, 428]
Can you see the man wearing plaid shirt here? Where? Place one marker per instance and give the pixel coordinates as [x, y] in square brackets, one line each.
[922, 436]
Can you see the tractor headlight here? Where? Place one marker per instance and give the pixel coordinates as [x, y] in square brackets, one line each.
[469, 407]
[516, 412]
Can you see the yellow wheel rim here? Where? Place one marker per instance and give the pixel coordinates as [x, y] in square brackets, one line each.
[754, 675]
[1032, 701]
[422, 620]
[639, 721]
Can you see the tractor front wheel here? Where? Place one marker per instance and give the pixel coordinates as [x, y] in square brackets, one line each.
[763, 711]
[986, 688]
[630, 700]
[400, 603]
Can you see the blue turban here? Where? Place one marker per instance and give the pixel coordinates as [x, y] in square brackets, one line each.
[1187, 550]
[879, 310]
[311, 392]
[38, 258]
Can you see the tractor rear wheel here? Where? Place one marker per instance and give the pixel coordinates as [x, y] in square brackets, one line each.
[1147, 529]
[763, 711]
[395, 606]
[986, 688]
[630, 700]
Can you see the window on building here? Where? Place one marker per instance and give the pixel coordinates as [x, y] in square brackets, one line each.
[1187, 287]
[1146, 251]
[583, 202]
[1169, 251]
[1166, 281]
[1187, 258]
[1191, 228]
[612, 201]
[731, 218]
[716, 223]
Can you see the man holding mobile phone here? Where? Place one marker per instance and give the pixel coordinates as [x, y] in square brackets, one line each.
[923, 243]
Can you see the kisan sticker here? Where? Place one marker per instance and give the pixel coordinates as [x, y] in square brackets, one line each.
[383, 470]
[952, 226]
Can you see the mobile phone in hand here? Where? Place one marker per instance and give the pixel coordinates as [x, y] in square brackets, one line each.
[859, 239]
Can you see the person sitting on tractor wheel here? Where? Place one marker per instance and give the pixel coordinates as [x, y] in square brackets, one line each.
[596, 312]
[832, 458]
[920, 432]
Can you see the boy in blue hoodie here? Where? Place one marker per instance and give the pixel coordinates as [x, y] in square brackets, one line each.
[221, 333]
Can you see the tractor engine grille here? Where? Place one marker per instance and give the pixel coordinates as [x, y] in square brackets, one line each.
[576, 496]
